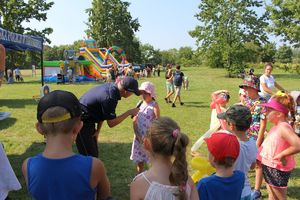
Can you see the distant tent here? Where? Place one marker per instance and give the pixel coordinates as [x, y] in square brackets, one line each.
[18, 42]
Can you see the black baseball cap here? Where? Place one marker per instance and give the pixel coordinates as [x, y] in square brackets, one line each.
[59, 98]
[131, 85]
[239, 115]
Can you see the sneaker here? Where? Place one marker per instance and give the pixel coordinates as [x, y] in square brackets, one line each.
[173, 105]
[170, 101]
[181, 103]
[166, 100]
[255, 194]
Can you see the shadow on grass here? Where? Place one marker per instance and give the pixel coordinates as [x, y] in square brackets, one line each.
[115, 156]
[195, 104]
[29, 82]
[6, 123]
[17, 103]
[120, 169]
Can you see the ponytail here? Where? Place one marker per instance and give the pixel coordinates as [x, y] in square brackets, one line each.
[167, 140]
[179, 172]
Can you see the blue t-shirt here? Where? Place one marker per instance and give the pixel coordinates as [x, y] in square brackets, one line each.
[215, 187]
[63, 179]
[101, 102]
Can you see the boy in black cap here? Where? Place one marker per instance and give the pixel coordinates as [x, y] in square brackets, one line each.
[99, 104]
[238, 118]
[59, 173]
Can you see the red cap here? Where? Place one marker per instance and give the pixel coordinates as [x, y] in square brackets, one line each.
[222, 145]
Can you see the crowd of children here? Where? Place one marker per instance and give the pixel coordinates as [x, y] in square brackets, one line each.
[237, 142]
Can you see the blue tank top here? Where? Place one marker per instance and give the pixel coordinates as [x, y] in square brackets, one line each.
[60, 179]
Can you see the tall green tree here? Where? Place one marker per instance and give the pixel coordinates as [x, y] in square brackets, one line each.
[149, 54]
[251, 52]
[296, 55]
[267, 52]
[285, 17]
[284, 54]
[169, 56]
[225, 27]
[13, 13]
[110, 23]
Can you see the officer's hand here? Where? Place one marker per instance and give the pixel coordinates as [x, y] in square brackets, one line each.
[134, 111]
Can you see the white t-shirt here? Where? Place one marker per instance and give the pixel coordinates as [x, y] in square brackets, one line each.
[269, 81]
[17, 71]
[247, 156]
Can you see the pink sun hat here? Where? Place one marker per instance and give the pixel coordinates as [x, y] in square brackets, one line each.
[149, 88]
[272, 103]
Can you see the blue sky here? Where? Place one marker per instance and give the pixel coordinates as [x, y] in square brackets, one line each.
[164, 23]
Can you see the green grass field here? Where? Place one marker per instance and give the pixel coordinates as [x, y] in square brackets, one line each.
[21, 140]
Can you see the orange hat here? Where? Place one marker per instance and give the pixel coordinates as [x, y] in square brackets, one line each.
[222, 145]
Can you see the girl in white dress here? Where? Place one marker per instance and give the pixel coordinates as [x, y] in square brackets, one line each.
[168, 176]
[149, 111]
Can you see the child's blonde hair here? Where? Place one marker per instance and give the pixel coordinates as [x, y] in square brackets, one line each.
[58, 127]
[167, 140]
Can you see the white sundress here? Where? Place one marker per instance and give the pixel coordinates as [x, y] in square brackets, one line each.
[159, 191]
[144, 118]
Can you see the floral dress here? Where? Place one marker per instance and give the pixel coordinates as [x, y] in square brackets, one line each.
[144, 118]
[258, 113]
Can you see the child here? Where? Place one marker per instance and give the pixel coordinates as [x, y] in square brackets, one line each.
[169, 83]
[178, 80]
[220, 99]
[239, 118]
[168, 178]
[281, 143]
[226, 183]
[59, 173]
[149, 111]
[185, 82]
[296, 123]
[258, 126]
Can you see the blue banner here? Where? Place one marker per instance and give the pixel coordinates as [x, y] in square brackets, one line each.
[20, 42]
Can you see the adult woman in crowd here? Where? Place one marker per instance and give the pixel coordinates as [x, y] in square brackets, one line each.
[267, 83]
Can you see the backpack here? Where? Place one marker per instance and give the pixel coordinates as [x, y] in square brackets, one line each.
[177, 77]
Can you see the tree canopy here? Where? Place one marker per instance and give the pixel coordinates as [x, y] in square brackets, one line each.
[225, 28]
[285, 17]
[14, 12]
[110, 23]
